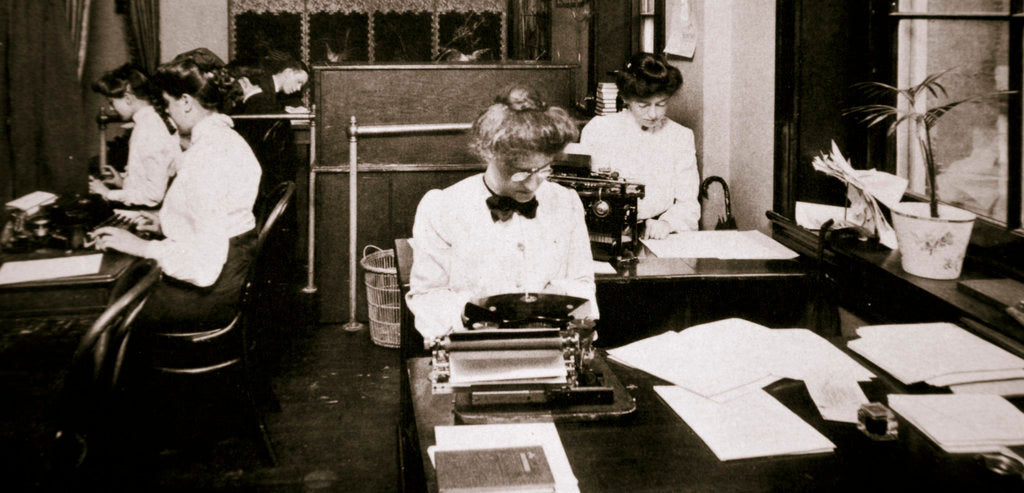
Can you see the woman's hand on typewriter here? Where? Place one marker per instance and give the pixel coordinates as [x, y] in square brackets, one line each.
[147, 222]
[112, 238]
[656, 229]
[97, 187]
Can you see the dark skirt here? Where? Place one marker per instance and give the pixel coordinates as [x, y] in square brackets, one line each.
[177, 306]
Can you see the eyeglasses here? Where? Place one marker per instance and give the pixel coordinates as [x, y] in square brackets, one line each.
[542, 171]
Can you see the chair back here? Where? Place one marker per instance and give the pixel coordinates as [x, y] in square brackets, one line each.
[410, 341]
[101, 350]
[266, 216]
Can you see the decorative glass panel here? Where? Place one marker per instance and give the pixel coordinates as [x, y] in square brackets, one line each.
[402, 36]
[970, 142]
[336, 38]
[470, 36]
[529, 28]
[258, 33]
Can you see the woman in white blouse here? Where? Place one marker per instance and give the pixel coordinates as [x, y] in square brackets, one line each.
[505, 230]
[645, 146]
[153, 146]
[206, 219]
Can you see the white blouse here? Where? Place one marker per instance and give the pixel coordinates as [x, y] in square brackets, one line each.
[460, 253]
[152, 154]
[209, 202]
[664, 160]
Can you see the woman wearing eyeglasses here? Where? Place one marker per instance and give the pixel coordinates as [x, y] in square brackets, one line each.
[645, 146]
[507, 229]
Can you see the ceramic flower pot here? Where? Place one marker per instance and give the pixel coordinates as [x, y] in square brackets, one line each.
[932, 247]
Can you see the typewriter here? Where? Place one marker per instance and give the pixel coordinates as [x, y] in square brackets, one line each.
[61, 223]
[610, 203]
[526, 355]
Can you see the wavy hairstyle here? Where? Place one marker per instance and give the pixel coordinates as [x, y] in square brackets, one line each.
[520, 123]
[648, 74]
[213, 87]
[129, 78]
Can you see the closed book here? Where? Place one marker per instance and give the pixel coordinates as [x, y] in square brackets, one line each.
[519, 469]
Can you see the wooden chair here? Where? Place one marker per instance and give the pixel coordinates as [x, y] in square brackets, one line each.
[89, 399]
[410, 463]
[227, 352]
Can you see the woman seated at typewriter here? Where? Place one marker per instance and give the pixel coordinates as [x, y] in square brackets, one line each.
[206, 219]
[152, 147]
[507, 229]
[644, 146]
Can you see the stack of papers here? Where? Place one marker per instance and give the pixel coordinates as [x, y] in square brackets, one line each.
[519, 366]
[963, 423]
[606, 98]
[753, 425]
[478, 437]
[724, 360]
[724, 244]
[50, 268]
[941, 354]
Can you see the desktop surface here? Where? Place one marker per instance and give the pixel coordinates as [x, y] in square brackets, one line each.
[655, 450]
[75, 294]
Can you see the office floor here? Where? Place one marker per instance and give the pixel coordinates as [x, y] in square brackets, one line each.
[335, 430]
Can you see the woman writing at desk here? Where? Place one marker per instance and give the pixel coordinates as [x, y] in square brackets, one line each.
[152, 148]
[206, 219]
[507, 229]
[645, 146]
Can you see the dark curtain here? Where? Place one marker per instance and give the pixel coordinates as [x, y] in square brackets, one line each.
[42, 123]
[144, 21]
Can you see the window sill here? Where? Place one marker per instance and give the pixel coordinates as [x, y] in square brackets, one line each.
[871, 284]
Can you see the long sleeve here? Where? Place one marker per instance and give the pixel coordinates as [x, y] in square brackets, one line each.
[438, 307]
[684, 213]
[209, 202]
[460, 253]
[664, 161]
[152, 153]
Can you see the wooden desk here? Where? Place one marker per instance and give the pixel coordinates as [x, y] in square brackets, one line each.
[658, 294]
[654, 450]
[88, 293]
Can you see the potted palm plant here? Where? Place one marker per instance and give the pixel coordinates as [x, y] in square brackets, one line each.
[932, 237]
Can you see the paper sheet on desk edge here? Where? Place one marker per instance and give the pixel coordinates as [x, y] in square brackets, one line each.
[720, 244]
[754, 425]
[469, 437]
[50, 268]
[962, 422]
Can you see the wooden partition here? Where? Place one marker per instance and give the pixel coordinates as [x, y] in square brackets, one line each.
[395, 171]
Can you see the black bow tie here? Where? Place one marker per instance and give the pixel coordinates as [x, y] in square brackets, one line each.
[502, 207]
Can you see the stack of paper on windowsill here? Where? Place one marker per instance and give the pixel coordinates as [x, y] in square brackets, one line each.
[941, 354]
[498, 436]
[963, 423]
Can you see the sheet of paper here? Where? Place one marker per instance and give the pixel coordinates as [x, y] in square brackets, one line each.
[812, 216]
[752, 425]
[50, 268]
[681, 32]
[1005, 388]
[916, 352]
[469, 437]
[805, 354]
[493, 366]
[963, 422]
[837, 398]
[726, 244]
[603, 268]
[708, 359]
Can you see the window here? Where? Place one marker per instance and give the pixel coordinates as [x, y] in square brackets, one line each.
[323, 32]
[977, 146]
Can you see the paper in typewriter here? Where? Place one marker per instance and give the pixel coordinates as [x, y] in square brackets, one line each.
[511, 366]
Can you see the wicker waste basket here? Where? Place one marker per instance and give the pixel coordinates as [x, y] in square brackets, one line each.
[382, 296]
